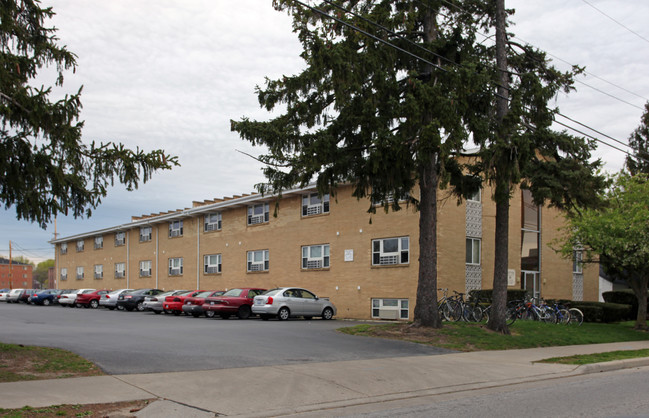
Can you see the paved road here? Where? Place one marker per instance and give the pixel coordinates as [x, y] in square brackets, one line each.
[134, 342]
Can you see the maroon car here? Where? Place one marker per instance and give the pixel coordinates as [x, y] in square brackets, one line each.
[90, 298]
[233, 302]
[174, 304]
[194, 305]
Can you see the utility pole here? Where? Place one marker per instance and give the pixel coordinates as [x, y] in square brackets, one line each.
[11, 284]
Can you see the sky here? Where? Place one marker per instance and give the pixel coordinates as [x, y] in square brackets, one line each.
[171, 75]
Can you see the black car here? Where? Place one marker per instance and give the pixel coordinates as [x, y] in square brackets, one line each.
[28, 293]
[135, 299]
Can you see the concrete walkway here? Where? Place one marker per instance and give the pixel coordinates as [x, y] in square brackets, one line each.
[300, 388]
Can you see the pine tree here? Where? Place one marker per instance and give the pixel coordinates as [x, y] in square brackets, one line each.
[639, 141]
[45, 168]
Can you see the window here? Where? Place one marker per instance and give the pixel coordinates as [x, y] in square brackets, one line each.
[473, 251]
[475, 197]
[145, 234]
[120, 238]
[99, 271]
[315, 256]
[389, 251]
[577, 261]
[175, 229]
[120, 270]
[99, 243]
[175, 266]
[212, 222]
[390, 308]
[258, 260]
[64, 248]
[314, 205]
[389, 199]
[64, 273]
[212, 264]
[79, 273]
[145, 268]
[80, 245]
[258, 214]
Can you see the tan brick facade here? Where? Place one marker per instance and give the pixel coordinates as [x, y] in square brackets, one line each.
[351, 280]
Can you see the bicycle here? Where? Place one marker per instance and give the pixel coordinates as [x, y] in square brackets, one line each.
[539, 313]
[576, 317]
[449, 308]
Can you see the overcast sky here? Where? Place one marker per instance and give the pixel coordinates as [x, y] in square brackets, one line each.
[169, 74]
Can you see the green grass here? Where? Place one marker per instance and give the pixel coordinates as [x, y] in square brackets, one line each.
[598, 357]
[524, 334]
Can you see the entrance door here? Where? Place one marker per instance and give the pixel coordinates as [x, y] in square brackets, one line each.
[532, 283]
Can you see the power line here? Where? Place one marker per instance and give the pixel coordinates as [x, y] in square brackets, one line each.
[619, 23]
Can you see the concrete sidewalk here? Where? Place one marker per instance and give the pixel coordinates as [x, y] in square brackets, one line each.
[300, 388]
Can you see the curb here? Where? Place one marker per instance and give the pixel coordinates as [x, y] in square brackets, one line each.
[613, 365]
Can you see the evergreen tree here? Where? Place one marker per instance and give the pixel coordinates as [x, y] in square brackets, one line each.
[45, 168]
[639, 141]
[380, 118]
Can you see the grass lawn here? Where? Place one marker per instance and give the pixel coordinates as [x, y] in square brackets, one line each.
[464, 336]
[598, 357]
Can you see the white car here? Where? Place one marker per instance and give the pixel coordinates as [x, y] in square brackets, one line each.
[109, 300]
[14, 294]
[286, 302]
[3, 294]
[69, 299]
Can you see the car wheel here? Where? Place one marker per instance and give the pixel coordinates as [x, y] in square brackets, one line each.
[120, 308]
[244, 312]
[166, 311]
[328, 313]
[283, 314]
[156, 312]
[46, 302]
[71, 305]
[78, 305]
[264, 317]
[224, 316]
[140, 306]
[209, 314]
[94, 304]
[177, 313]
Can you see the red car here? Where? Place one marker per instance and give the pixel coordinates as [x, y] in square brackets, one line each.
[194, 305]
[174, 304]
[233, 302]
[90, 298]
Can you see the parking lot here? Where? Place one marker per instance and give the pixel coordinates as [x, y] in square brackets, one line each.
[123, 342]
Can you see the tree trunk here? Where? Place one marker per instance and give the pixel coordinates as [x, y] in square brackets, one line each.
[640, 289]
[497, 319]
[426, 306]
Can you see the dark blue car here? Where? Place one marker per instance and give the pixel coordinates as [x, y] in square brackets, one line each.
[45, 297]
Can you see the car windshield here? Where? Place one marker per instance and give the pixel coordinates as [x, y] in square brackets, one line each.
[88, 291]
[203, 294]
[272, 292]
[233, 292]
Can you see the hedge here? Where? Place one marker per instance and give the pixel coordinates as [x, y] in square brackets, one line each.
[603, 311]
[627, 297]
[485, 295]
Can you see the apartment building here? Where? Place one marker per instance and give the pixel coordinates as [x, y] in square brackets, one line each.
[15, 275]
[366, 263]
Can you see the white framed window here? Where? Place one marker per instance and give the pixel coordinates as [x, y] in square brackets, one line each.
[80, 245]
[120, 238]
[99, 242]
[64, 273]
[258, 260]
[145, 268]
[258, 214]
[99, 271]
[79, 272]
[390, 251]
[578, 261]
[389, 199]
[390, 308]
[475, 196]
[64, 248]
[315, 256]
[176, 266]
[145, 233]
[175, 229]
[120, 270]
[473, 251]
[212, 263]
[312, 204]
[212, 222]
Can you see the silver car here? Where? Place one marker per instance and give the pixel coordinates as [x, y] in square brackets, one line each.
[286, 302]
[109, 300]
[154, 303]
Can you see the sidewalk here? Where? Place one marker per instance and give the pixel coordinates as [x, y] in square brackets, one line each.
[299, 388]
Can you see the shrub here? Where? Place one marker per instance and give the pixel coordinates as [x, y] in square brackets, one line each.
[626, 297]
[486, 295]
[602, 311]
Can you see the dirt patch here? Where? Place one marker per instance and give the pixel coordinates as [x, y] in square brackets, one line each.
[104, 410]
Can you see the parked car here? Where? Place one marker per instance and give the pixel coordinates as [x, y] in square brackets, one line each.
[135, 299]
[26, 295]
[155, 304]
[194, 305]
[64, 292]
[14, 294]
[3, 294]
[90, 299]
[109, 300]
[174, 304]
[286, 302]
[45, 297]
[233, 302]
[70, 299]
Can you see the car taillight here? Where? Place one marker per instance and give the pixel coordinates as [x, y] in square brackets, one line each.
[128, 297]
[154, 299]
[269, 301]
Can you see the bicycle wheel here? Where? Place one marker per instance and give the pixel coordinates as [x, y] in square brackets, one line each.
[511, 315]
[563, 317]
[453, 310]
[576, 316]
[477, 314]
[548, 316]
